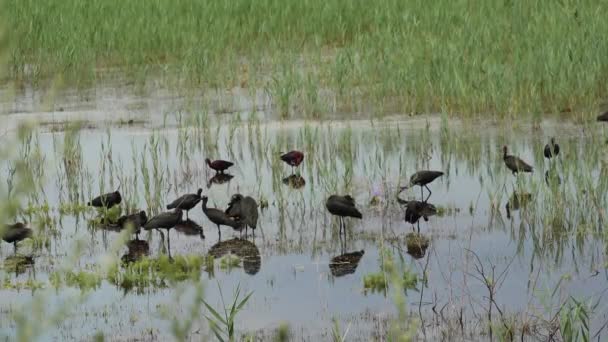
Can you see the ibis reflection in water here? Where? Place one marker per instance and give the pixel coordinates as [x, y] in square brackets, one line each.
[245, 250]
[345, 263]
[190, 228]
[219, 178]
[137, 249]
[294, 181]
[516, 201]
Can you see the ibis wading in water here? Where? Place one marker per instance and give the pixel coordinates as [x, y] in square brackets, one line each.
[14, 233]
[186, 202]
[342, 206]
[293, 158]
[515, 164]
[422, 178]
[219, 165]
[106, 200]
[219, 217]
[551, 149]
[244, 210]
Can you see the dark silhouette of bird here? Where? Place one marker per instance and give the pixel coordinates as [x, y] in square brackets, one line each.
[422, 178]
[245, 250]
[293, 158]
[345, 264]
[414, 210]
[186, 202]
[514, 163]
[136, 220]
[551, 149]
[342, 206]
[244, 210]
[106, 200]
[516, 201]
[603, 116]
[166, 220]
[13, 233]
[219, 165]
[219, 217]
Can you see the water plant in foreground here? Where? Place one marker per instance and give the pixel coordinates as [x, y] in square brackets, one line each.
[223, 326]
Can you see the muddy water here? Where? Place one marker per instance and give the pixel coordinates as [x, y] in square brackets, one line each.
[292, 281]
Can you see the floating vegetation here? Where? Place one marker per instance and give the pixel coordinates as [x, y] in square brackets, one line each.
[230, 261]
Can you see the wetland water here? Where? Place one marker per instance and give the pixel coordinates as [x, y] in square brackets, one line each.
[552, 246]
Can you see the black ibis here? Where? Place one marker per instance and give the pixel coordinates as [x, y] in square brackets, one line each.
[342, 206]
[422, 178]
[166, 220]
[186, 202]
[219, 165]
[136, 220]
[514, 163]
[219, 217]
[346, 263]
[244, 210]
[414, 210]
[293, 158]
[106, 200]
[551, 149]
[603, 116]
[14, 233]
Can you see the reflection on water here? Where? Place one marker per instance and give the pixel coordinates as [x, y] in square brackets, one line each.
[559, 235]
[516, 201]
[346, 263]
[190, 228]
[246, 250]
[294, 181]
[219, 178]
[136, 250]
[417, 245]
[18, 264]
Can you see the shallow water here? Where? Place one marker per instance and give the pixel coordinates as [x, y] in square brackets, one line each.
[297, 237]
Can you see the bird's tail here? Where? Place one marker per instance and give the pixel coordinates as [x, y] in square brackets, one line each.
[358, 214]
[170, 206]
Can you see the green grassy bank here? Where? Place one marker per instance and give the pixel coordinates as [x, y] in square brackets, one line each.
[410, 56]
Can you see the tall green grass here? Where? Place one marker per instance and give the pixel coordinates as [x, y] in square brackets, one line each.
[497, 56]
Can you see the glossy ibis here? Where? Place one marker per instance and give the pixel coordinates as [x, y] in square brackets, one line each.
[414, 210]
[244, 210]
[136, 220]
[186, 202]
[551, 149]
[219, 165]
[603, 116]
[106, 200]
[342, 206]
[14, 233]
[515, 164]
[346, 263]
[293, 158]
[422, 178]
[166, 220]
[219, 217]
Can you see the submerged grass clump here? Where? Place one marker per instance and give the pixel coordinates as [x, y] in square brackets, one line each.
[412, 56]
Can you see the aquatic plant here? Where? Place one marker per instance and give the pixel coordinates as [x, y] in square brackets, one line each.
[222, 326]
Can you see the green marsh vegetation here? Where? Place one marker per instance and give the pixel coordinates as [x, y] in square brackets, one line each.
[496, 58]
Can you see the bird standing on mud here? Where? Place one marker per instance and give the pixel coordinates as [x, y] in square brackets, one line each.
[515, 164]
[186, 202]
[342, 206]
[219, 165]
[293, 158]
[422, 178]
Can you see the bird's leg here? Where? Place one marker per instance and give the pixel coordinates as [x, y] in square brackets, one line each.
[430, 192]
[187, 214]
[418, 226]
[219, 233]
[421, 193]
[15, 246]
[169, 243]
